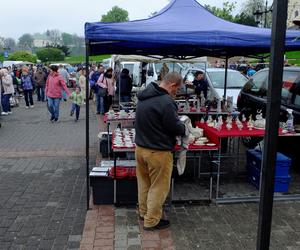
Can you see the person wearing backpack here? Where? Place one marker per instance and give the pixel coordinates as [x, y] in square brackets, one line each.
[27, 85]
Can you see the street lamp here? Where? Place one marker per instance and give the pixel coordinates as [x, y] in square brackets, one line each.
[259, 13]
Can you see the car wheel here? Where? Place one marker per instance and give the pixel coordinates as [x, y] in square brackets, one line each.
[251, 142]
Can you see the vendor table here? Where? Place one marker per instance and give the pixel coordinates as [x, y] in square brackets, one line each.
[116, 119]
[128, 105]
[192, 147]
[235, 132]
[204, 111]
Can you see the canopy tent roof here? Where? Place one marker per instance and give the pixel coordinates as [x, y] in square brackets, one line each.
[156, 59]
[182, 28]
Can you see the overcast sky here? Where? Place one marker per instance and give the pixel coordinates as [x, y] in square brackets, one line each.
[31, 16]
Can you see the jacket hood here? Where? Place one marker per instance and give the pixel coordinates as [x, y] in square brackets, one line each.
[124, 76]
[150, 91]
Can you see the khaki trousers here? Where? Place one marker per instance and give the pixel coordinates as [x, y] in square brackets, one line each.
[153, 171]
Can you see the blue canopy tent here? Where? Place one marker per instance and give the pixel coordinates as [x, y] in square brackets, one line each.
[183, 28]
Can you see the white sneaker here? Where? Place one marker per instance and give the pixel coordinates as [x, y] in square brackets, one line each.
[27, 107]
[4, 113]
[9, 112]
[32, 106]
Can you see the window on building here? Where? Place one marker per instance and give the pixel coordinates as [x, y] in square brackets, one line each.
[296, 13]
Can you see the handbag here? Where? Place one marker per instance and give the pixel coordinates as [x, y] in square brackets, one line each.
[102, 91]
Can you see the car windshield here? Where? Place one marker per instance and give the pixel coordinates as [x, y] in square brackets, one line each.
[258, 85]
[234, 79]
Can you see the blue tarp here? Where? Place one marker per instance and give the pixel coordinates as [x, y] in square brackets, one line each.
[182, 28]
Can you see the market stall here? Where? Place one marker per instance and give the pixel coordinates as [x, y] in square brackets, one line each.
[186, 36]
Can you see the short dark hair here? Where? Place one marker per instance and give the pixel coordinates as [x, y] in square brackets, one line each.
[54, 68]
[109, 70]
[198, 73]
[173, 77]
[125, 71]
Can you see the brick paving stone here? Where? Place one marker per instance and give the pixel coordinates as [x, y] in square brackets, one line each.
[42, 178]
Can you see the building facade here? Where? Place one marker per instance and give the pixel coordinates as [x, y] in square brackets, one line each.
[293, 12]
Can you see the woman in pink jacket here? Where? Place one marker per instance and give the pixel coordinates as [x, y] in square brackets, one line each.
[54, 85]
[107, 81]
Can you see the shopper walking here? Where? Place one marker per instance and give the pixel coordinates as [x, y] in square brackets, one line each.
[7, 90]
[40, 80]
[156, 125]
[27, 85]
[54, 86]
[77, 98]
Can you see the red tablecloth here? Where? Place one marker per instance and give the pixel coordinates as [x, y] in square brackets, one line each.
[234, 132]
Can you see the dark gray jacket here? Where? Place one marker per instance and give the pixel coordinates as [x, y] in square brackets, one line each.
[157, 123]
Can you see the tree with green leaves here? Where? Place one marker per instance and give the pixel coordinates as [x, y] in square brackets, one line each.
[10, 43]
[251, 6]
[54, 36]
[63, 48]
[116, 14]
[50, 54]
[225, 12]
[26, 41]
[67, 39]
[245, 19]
[22, 56]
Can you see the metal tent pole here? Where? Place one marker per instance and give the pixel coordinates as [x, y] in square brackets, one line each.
[87, 123]
[225, 82]
[272, 123]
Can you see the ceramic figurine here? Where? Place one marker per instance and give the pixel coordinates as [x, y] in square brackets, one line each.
[229, 126]
[202, 100]
[244, 118]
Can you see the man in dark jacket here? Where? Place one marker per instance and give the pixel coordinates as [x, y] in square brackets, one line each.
[200, 84]
[157, 125]
[40, 79]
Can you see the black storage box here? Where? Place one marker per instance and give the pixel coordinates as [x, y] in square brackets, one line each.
[104, 146]
[127, 192]
[102, 189]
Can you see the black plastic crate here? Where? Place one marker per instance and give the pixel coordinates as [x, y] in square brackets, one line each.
[127, 192]
[102, 189]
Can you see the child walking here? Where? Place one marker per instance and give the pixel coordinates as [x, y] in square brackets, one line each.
[77, 100]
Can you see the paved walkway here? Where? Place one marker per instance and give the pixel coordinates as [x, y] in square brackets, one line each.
[43, 199]
[42, 179]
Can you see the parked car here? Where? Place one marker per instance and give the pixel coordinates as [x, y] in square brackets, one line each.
[253, 97]
[216, 78]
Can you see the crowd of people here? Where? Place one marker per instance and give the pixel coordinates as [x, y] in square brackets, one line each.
[49, 84]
